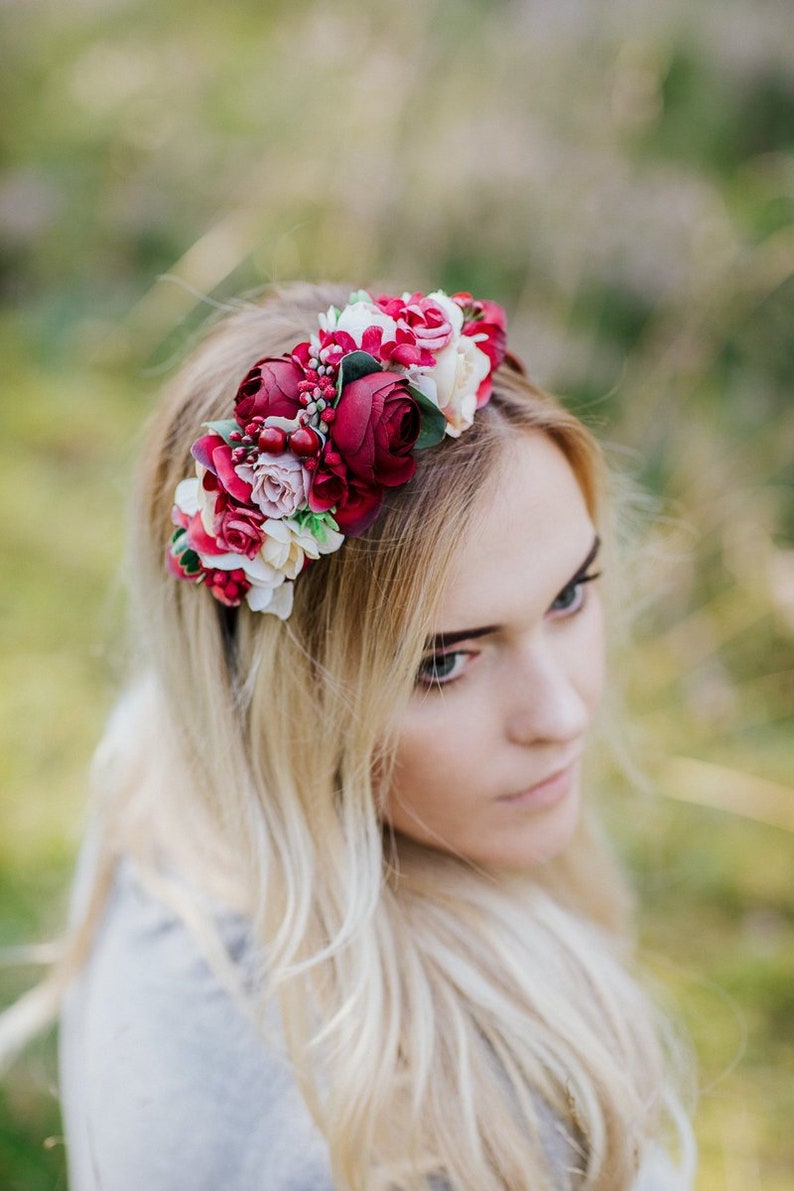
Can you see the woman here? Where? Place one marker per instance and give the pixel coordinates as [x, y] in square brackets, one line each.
[351, 926]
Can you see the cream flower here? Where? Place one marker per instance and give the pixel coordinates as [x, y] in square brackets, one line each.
[276, 600]
[452, 384]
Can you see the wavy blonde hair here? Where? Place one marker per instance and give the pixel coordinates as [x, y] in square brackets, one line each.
[441, 1020]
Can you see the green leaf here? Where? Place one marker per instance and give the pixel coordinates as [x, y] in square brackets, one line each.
[354, 366]
[315, 523]
[224, 428]
[190, 562]
[434, 424]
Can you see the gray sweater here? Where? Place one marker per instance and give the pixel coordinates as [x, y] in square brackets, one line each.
[167, 1086]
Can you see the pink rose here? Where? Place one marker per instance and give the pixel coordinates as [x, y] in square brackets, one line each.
[403, 350]
[237, 530]
[422, 316]
[376, 425]
[278, 483]
[269, 389]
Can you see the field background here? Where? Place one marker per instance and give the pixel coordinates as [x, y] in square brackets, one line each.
[620, 175]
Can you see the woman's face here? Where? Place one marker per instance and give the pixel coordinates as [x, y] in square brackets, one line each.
[489, 749]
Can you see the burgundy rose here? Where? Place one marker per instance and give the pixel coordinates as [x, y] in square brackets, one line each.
[356, 504]
[329, 486]
[375, 427]
[360, 508]
[270, 388]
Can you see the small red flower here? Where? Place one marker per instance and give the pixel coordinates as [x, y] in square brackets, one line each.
[230, 587]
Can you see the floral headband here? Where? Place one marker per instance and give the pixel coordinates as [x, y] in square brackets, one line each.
[319, 434]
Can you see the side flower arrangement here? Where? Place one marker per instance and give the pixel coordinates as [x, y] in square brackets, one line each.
[319, 434]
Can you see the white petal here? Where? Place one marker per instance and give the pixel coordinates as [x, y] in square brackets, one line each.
[186, 496]
[281, 602]
[223, 562]
[450, 308]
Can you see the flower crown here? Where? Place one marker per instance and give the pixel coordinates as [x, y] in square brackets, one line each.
[319, 434]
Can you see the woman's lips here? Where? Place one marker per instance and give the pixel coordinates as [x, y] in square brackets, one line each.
[546, 793]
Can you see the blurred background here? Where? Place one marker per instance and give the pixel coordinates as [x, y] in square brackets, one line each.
[620, 175]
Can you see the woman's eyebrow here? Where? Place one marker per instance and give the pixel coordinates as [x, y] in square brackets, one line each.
[442, 641]
[596, 546]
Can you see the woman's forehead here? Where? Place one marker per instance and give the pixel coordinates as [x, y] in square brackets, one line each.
[528, 539]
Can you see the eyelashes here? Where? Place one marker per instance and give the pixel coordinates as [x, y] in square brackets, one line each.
[572, 596]
[441, 669]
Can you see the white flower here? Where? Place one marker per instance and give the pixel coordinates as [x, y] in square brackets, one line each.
[452, 384]
[284, 551]
[186, 496]
[276, 600]
[192, 497]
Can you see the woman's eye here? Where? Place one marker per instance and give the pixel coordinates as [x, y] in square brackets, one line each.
[571, 598]
[441, 668]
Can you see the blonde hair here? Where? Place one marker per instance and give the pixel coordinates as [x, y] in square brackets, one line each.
[441, 1020]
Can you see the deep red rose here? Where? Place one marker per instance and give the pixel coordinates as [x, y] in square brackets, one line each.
[213, 453]
[270, 388]
[360, 508]
[376, 425]
[328, 488]
[356, 503]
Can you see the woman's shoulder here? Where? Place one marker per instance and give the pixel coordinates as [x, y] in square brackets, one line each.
[166, 1081]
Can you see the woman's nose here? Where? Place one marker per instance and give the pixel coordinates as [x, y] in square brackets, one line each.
[548, 700]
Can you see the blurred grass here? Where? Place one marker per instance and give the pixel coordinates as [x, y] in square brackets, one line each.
[622, 178]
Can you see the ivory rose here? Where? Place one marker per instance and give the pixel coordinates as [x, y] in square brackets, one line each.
[454, 382]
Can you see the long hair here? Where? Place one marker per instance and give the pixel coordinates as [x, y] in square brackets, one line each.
[442, 1020]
